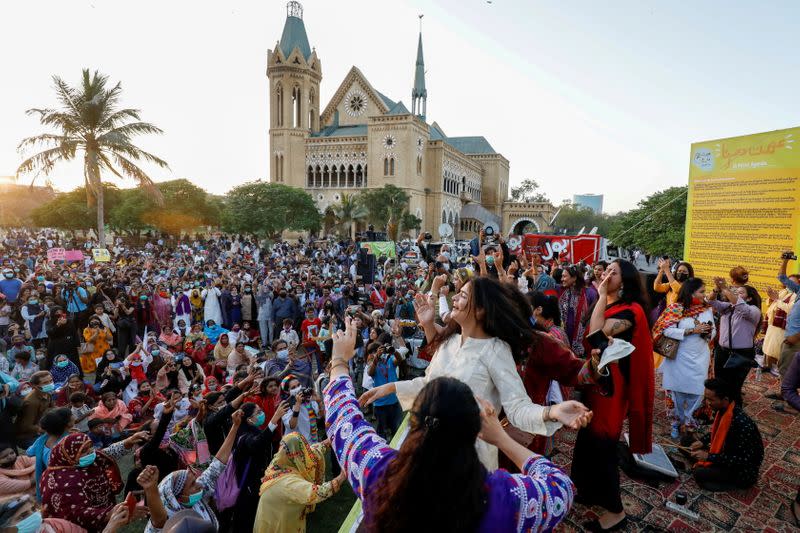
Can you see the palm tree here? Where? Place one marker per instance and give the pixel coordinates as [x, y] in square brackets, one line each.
[349, 212]
[89, 121]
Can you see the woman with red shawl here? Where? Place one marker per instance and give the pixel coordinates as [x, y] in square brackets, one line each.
[80, 484]
[162, 307]
[625, 392]
[268, 399]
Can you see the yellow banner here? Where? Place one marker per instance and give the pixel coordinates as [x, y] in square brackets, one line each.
[101, 255]
[743, 206]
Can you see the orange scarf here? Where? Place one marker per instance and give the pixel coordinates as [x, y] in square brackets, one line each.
[719, 432]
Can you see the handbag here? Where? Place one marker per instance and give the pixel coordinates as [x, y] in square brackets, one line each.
[736, 359]
[227, 486]
[666, 347]
[522, 437]
[86, 347]
[779, 319]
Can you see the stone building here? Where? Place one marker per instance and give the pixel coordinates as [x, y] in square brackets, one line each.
[363, 139]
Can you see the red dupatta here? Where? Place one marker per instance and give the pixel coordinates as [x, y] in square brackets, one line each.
[639, 388]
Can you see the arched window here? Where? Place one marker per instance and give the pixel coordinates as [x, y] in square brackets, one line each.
[297, 114]
[311, 110]
[351, 176]
[365, 175]
[444, 217]
[385, 166]
[342, 176]
[326, 176]
[310, 177]
[419, 165]
[391, 166]
[359, 176]
[280, 167]
[279, 105]
[318, 177]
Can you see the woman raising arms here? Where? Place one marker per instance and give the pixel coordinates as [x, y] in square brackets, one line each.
[488, 323]
[438, 455]
[625, 392]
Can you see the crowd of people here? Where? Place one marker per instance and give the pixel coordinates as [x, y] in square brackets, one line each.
[238, 377]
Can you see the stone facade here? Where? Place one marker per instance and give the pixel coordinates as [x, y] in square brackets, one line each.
[362, 140]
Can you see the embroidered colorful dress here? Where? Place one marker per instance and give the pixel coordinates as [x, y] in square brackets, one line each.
[536, 500]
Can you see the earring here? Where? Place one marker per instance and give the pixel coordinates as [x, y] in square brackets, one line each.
[620, 290]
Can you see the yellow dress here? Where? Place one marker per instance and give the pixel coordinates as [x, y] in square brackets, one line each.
[672, 289]
[101, 344]
[292, 486]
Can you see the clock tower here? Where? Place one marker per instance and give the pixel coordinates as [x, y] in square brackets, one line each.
[294, 72]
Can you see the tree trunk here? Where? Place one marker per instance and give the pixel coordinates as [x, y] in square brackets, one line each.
[352, 230]
[101, 227]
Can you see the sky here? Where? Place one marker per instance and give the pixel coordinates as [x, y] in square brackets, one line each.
[582, 96]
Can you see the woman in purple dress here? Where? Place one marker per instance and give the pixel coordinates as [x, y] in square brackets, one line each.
[437, 466]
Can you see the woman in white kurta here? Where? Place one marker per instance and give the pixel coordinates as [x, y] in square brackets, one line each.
[689, 320]
[488, 322]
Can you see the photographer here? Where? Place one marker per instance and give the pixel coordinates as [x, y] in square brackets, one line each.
[305, 413]
[791, 343]
[76, 300]
[382, 363]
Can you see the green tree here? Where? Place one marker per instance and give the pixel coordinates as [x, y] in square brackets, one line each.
[528, 191]
[88, 121]
[386, 207]
[656, 226]
[571, 218]
[267, 209]
[69, 210]
[186, 206]
[128, 214]
[349, 212]
[409, 222]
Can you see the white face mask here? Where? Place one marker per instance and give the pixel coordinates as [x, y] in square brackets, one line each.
[295, 391]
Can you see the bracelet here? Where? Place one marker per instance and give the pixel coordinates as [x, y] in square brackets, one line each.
[546, 415]
[295, 414]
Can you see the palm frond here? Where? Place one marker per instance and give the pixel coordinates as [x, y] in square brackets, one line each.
[131, 170]
[43, 162]
[124, 132]
[47, 139]
[117, 117]
[133, 152]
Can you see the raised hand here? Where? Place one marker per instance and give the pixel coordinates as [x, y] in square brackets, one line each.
[344, 342]
[424, 308]
[148, 478]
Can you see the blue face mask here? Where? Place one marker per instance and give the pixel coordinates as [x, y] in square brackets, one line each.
[87, 460]
[30, 524]
[155, 352]
[194, 498]
[260, 419]
[50, 387]
[282, 354]
[62, 364]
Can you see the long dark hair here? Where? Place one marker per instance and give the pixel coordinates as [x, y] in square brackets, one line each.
[688, 288]
[632, 288]
[549, 305]
[506, 315]
[436, 469]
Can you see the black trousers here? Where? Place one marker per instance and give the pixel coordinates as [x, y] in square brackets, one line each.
[389, 418]
[734, 376]
[126, 335]
[595, 471]
[716, 479]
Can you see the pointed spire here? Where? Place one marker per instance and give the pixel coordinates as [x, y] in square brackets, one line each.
[419, 94]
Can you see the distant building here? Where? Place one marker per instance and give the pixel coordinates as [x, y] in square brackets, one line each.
[362, 139]
[592, 201]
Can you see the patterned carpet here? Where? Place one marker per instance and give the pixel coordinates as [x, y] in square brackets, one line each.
[764, 507]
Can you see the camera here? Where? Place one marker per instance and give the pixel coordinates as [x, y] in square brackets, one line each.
[388, 349]
[488, 231]
[428, 236]
[307, 392]
[790, 256]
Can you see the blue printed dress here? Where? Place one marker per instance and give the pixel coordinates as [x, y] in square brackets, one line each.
[536, 500]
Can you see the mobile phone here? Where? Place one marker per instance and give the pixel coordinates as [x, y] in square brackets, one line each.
[130, 502]
[598, 340]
